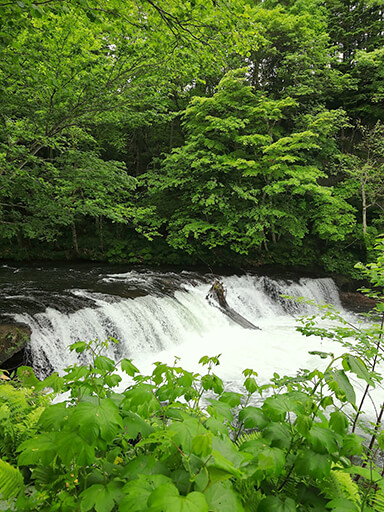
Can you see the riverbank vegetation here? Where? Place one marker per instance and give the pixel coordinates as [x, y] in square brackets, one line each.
[178, 441]
[189, 132]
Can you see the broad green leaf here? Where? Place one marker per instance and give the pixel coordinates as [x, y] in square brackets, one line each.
[72, 448]
[216, 426]
[352, 445]
[271, 461]
[138, 491]
[313, 464]
[278, 434]
[27, 377]
[39, 449]
[303, 424]
[338, 381]
[104, 363]
[185, 431]
[101, 420]
[55, 416]
[167, 498]
[133, 424]
[144, 465]
[322, 439]
[222, 498]
[342, 505]
[339, 422]
[97, 496]
[275, 504]
[231, 398]
[220, 410]
[128, 367]
[202, 444]
[277, 406]
[78, 347]
[253, 417]
[357, 366]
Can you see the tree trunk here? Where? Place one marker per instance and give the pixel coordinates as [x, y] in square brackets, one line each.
[74, 239]
[364, 212]
[101, 234]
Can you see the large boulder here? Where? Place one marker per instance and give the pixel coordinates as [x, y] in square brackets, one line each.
[13, 339]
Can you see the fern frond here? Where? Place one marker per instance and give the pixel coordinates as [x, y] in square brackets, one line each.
[339, 485]
[250, 497]
[378, 501]
[11, 480]
[248, 436]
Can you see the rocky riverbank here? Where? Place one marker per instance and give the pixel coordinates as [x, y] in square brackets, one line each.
[14, 337]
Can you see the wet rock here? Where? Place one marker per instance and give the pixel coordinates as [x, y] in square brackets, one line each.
[14, 337]
[357, 301]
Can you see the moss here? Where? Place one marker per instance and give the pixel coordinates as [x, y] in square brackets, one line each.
[13, 339]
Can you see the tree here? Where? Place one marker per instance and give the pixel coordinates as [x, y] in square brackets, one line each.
[365, 171]
[240, 180]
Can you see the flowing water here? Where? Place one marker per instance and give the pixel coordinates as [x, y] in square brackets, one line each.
[159, 315]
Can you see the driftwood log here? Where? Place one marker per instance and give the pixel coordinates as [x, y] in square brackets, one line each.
[217, 294]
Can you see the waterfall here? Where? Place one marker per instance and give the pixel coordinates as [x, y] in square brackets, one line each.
[157, 316]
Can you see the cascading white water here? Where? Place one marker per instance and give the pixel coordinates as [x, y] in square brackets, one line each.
[184, 324]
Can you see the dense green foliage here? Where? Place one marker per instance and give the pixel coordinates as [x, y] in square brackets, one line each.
[177, 441]
[166, 132]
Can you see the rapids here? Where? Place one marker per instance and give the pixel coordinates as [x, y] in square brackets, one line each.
[158, 315]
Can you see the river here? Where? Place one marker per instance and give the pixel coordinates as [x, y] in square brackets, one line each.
[157, 315]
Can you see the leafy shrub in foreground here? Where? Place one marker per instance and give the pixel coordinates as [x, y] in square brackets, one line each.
[156, 447]
[153, 447]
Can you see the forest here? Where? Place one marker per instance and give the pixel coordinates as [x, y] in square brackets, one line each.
[153, 132]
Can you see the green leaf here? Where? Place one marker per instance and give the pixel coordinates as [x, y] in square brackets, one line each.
[72, 448]
[253, 417]
[138, 491]
[275, 504]
[338, 382]
[128, 367]
[222, 498]
[277, 406]
[185, 431]
[202, 444]
[55, 416]
[271, 461]
[220, 410]
[144, 465]
[279, 435]
[212, 382]
[97, 420]
[352, 445]
[133, 424]
[231, 398]
[342, 505]
[322, 439]
[79, 347]
[322, 355]
[39, 449]
[167, 498]
[339, 422]
[97, 496]
[104, 363]
[303, 424]
[28, 377]
[312, 464]
[357, 366]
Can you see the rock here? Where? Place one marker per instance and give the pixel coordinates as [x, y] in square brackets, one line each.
[218, 293]
[13, 339]
[357, 301]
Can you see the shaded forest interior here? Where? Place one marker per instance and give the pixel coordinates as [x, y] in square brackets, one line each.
[191, 132]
